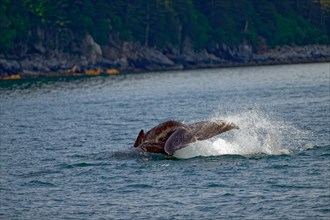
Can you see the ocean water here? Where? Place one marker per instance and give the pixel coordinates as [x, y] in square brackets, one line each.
[66, 146]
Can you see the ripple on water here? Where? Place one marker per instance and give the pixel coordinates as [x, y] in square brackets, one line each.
[38, 184]
[66, 146]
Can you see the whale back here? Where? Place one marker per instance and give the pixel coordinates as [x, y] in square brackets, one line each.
[154, 140]
[162, 131]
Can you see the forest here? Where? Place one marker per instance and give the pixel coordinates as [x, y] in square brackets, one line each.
[61, 25]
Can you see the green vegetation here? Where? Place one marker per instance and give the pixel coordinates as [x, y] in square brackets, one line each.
[62, 24]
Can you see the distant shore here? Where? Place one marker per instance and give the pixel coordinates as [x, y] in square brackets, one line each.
[130, 57]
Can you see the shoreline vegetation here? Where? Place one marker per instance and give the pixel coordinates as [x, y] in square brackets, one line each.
[75, 38]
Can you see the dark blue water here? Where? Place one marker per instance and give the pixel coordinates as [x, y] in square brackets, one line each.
[66, 146]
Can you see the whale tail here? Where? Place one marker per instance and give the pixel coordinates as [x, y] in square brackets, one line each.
[198, 131]
[207, 129]
[139, 138]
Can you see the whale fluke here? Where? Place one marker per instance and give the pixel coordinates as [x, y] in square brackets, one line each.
[170, 136]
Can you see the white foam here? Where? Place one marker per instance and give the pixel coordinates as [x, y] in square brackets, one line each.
[258, 134]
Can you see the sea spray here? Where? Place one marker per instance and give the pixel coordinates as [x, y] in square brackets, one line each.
[258, 134]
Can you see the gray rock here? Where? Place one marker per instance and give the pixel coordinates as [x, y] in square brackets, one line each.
[9, 67]
[91, 49]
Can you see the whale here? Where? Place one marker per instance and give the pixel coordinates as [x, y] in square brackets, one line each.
[170, 136]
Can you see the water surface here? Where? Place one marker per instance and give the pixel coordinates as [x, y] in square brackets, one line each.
[66, 146]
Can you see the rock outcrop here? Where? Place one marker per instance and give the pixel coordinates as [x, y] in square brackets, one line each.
[91, 50]
[134, 57]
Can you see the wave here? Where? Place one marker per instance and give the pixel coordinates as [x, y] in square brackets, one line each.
[258, 134]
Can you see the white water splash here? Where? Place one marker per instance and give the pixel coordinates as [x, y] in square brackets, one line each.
[258, 134]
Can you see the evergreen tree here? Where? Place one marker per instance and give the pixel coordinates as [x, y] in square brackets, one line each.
[60, 26]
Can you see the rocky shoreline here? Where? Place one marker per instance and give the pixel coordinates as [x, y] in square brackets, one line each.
[132, 57]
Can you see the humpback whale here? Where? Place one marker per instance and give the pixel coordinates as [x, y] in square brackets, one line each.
[170, 136]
